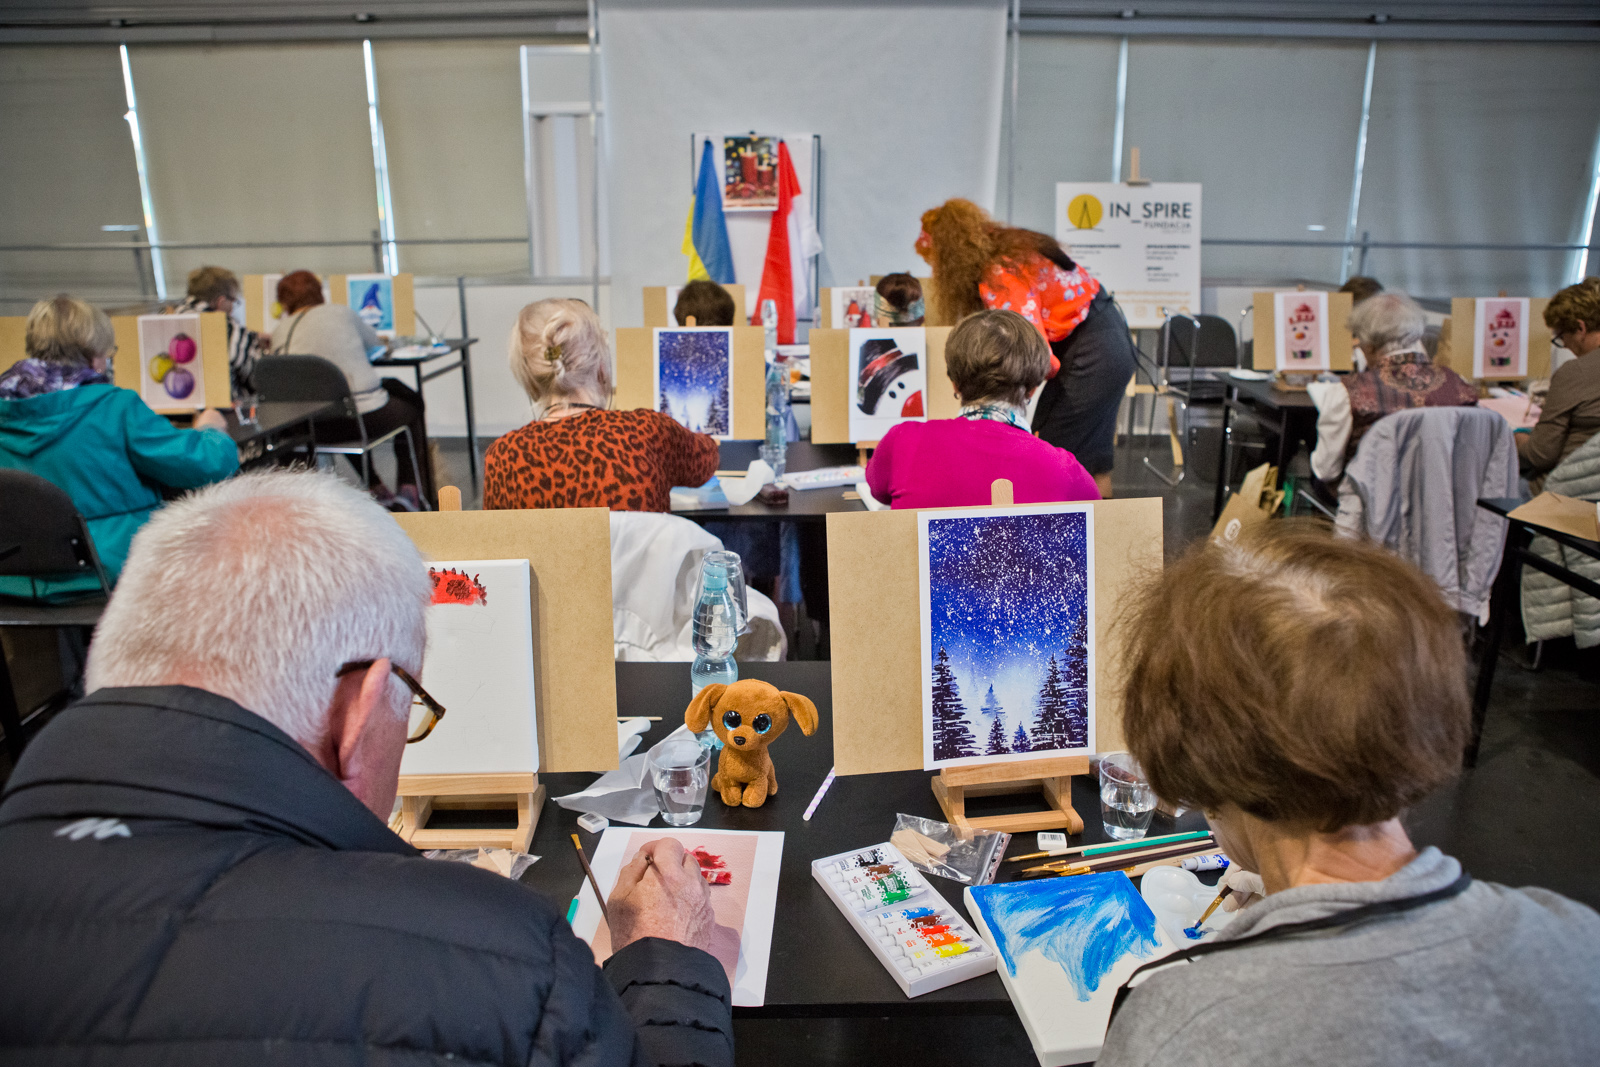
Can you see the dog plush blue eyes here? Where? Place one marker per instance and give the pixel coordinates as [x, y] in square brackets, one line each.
[761, 723]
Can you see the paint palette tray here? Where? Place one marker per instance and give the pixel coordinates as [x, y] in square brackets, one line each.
[921, 940]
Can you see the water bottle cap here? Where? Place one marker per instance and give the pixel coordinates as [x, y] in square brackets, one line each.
[714, 579]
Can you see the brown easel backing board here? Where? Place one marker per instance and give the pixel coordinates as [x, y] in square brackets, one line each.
[13, 339]
[1340, 343]
[575, 680]
[405, 300]
[658, 313]
[877, 645]
[213, 357]
[636, 376]
[1463, 319]
[831, 387]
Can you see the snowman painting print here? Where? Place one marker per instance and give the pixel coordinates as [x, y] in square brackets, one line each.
[888, 380]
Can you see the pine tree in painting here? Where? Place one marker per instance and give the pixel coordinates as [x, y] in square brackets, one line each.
[997, 739]
[1075, 676]
[1051, 725]
[952, 738]
[717, 418]
[1019, 740]
[991, 705]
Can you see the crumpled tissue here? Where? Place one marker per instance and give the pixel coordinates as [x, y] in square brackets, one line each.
[743, 490]
[625, 794]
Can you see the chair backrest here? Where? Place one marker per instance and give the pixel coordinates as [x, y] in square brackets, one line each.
[1218, 345]
[300, 379]
[42, 535]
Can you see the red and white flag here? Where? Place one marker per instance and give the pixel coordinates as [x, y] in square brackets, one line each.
[791, 243]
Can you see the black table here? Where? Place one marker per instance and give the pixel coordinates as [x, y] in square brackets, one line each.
[1292, 413]
[279, 428]
[819, 967]
[807, 506]
[1503, 599]
[448, 346]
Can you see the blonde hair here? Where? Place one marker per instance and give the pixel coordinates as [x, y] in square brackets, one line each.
[66, 330]
[559, 352]
[1573, 305]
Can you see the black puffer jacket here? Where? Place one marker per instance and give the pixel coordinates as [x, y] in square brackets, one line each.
[182, 883]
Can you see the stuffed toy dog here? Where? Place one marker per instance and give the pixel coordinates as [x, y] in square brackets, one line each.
[747, 716]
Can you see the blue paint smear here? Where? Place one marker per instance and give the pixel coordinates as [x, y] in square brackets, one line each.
[1084, 924]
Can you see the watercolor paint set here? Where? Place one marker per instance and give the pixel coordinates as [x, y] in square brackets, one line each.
[921, 940]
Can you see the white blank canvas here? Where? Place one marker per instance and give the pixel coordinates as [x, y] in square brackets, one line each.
[479, 665]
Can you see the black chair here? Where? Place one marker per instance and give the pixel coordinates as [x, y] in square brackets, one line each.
[1190, 352]
[42, 536]
[311, 379]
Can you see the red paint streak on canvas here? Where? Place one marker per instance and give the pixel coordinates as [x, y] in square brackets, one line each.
[712, 867]
[454, 587]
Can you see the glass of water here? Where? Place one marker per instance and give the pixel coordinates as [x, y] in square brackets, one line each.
[1127, 802]
[680, 771]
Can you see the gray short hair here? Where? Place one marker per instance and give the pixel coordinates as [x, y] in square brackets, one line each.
[1389, 318]
[259, 589]
[68, 331]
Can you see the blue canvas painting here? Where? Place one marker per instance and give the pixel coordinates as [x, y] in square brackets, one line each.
[694, 378]
[372, 297]
[1008, 634]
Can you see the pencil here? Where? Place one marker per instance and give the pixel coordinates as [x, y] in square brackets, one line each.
[588, 873]
[1116, 846]
[821, 790]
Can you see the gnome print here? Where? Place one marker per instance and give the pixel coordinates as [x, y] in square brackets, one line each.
[889, 383]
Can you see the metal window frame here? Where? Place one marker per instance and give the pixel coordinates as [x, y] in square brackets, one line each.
[389, 251]
[146, 202]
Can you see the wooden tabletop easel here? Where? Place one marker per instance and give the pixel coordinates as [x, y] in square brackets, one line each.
[576, 686]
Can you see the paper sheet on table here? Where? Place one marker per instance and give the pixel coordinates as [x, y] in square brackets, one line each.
[872, 502]
[1580, 518]
[743, 490]
[754, 914]
[1521, 412]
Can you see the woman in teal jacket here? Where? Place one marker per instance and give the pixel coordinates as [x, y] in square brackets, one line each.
[63, 420]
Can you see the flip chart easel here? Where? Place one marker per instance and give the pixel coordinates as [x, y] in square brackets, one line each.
[832, 388]
[636, 368]
[575, 682]
[877, 657]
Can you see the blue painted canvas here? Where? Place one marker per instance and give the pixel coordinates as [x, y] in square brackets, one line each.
[694, 378]
[1007, 634]
[1065, 946]
[372, 297]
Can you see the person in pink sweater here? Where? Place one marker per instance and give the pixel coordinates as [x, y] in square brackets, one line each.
[995, 359]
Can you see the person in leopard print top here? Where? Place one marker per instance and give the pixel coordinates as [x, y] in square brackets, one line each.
[576, 453]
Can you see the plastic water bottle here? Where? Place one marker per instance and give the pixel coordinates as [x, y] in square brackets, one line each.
[775, 449]
[715, 630]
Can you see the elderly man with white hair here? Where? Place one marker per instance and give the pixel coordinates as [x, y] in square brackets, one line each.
[1399, 376]
[197, 867]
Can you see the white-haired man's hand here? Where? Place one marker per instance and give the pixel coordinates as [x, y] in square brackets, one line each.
[661, 893]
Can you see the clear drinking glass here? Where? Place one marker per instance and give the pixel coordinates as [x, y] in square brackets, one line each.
[736, 587]
[680, 771]
[1127, 802]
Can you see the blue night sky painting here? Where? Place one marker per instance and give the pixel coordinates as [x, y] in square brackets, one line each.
[1008, 625]
[693, 378]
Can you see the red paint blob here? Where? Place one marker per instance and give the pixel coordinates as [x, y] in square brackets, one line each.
[454, 587]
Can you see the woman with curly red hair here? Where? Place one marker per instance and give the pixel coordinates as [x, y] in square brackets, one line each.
[979, 263]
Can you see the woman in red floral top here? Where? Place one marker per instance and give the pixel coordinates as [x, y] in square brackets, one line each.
[576, 453]
[979, 263]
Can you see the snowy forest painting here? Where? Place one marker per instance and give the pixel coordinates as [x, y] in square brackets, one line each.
[1007, 634]
[694, 373]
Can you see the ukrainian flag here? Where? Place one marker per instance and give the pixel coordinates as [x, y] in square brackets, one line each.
[705, 234]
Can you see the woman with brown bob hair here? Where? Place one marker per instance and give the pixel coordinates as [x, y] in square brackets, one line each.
[1304, 691]
[979, 263]
[311, 327]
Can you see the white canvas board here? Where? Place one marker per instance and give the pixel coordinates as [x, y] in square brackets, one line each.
[1300, 331]
[745, 908]
[371, 296]
[1066, 945]
[1500, 337]
[171, 372]
[672, 301]
[693, 377]
[888, 380]
[1141, 242]
[479, 665]
[1008, 633]
[850, 307]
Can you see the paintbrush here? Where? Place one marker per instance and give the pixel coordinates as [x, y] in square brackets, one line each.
[588, 873]
[1119, 862]
[1130, 857]
[1194, 931]
[1090, 850]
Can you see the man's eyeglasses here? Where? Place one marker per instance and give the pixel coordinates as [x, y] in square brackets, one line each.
[425, 711]
[1555, 338]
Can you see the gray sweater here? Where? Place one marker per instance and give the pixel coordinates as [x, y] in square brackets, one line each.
[338, 335]
[1492, 976]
